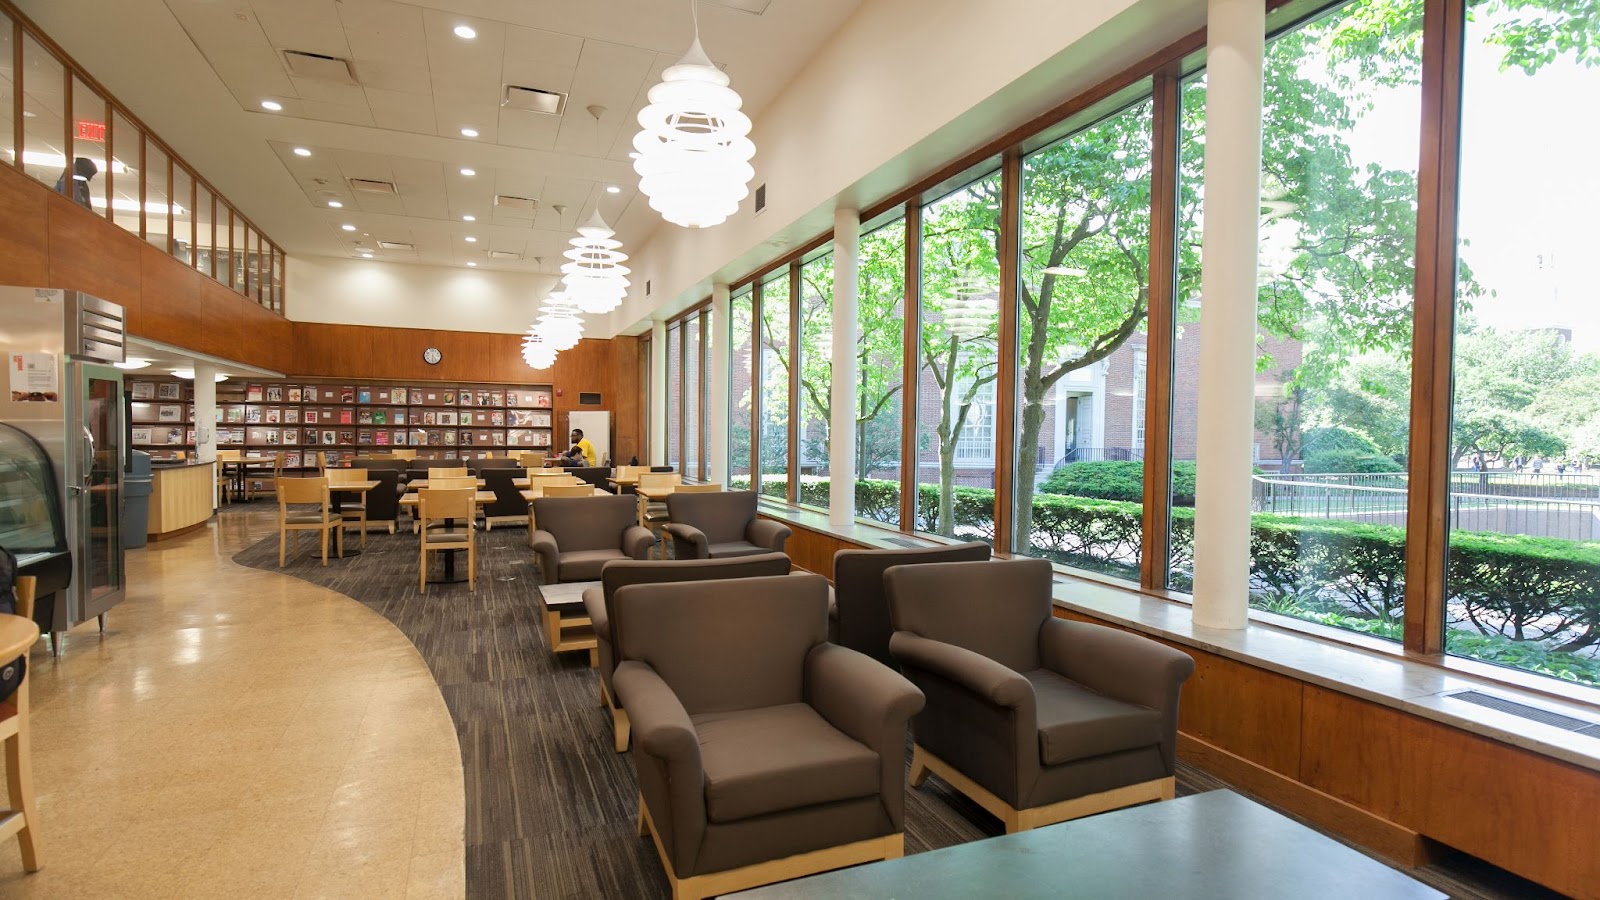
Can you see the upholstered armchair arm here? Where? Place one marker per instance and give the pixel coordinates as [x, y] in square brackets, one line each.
[637, 541]
[671, 776]
[993, 683]
[688, 542]
[1119, 664]
[544, 547]
[870, 702]
[767, 533]
[594, 603]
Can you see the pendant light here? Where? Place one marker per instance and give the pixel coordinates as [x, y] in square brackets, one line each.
[693, 146]
[594, 278]
[536, 351]
[559, 322]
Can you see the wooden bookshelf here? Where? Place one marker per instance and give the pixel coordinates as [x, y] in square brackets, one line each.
[344, 419]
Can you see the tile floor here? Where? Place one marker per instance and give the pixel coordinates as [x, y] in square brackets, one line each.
[238, 733]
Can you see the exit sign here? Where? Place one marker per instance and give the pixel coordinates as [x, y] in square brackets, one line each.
[91, 131]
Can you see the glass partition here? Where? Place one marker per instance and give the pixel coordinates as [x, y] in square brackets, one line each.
[126, 143]
[182, 213]
[223, 248]
[157, 196]
[44, 129]
[241, 255]
[8, 90]
[205, 237]
[89, 157]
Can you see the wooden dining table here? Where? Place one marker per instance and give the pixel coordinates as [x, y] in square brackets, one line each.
[351, 487]
[646, 495]
[421, 484]
[240, 469]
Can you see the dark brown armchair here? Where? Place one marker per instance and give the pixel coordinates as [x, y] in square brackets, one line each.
[1036, 719]
[721, 525]
[763, 752]
[861, 614]
[577, 536]
[619, 574]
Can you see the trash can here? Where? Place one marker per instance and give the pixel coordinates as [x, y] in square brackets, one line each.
[136, 487]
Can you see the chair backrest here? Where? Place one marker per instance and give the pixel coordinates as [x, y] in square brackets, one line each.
[383, 501]
[993, 608]
[452, 483]
[346, 476]
[531, 460]
[277, 464]
[568, 490]
[488, 464]
[446, 503]
[648, 480]
[697, 489]
[596, 476]
[405, 454]
[376, 463]
[227, 456]
[724, 645]
[552, 480]
[586, 523]
[447, 472]
[858, 586]
[27, 587]
[322, 460]
[620, 573]
[628, 471]
[722, 515]
[662, 469]
[303, 490]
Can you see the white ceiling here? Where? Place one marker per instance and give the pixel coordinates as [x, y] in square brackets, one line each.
[197, 71]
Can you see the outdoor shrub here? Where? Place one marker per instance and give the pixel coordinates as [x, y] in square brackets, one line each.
[1345, 461]
[1116, 480]
[1334, 439]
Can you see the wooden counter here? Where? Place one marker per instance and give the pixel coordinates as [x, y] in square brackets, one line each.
[180, 498]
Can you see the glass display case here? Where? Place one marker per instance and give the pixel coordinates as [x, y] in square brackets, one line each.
[32, 524]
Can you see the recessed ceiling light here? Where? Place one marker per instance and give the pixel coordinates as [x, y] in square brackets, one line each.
[133, 363]
[465, 32]
[366, 255]
[469, 132]
[468, 172]
[301, 151]
[469, 218]
[471, 239]
[334, 204]
[613, 189]
[271, 105]
[472, 265]
[348, 227]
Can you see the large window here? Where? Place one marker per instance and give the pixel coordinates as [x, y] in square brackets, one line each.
[741, 380]
[693, 409]
[775, 376]
[959, 360]
[880, 356]
[1083, 298]
[816, 377]
[674, 387]
[1522, 564]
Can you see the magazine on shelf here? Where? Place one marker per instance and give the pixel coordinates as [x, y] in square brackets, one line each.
[144, 390]
[466, 437]
[274, 393]
[311, 393]
[270, 436]
[497, 398]
[291, 435]
[347, 395]
[175, 436]
[291, 415]
[382, 438]
[447, 418]
[141, 435]
[541, 399]
[400, 438]
[497, 418]
[274, 415]
[416, 396]
[311, 437]
[169, 414]
[483, 398]
[398, 396]
[330, 438]
[235, 414]
[429, 417]
[294, 393]
[364, 395]
[364, 437]
[252, 415]
[345, 417]
[169, 390]
[497, 438]
[311, 417]
[291, 460]
[252, 393]
[347, 438]
[364, 417]
[191, 413]
[188, 436]
[380, 417]
[399, 417]
[449, 398]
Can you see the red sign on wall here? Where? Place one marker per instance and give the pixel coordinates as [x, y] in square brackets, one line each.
[91, 131]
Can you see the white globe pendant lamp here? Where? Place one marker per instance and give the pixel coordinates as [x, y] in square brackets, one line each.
[536, 351]
[594, 278]
[559, 322]
[693, 146]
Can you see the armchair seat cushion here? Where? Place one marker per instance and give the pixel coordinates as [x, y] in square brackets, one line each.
[1077, 723]
[779, 758]
[585, 565]
[732, 549]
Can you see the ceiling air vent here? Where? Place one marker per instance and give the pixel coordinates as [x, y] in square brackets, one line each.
[504, 254]
[315, 65]
[368, 186]
[535, 100]
[510, 202]
[396, 245]
[761, 199]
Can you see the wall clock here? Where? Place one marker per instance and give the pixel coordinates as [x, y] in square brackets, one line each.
[431, 356]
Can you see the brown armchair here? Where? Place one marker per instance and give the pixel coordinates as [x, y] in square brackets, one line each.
[577, 536]
[1036, 719]
[619, 574]
[860, 615]
[763, 752]
[721, 525]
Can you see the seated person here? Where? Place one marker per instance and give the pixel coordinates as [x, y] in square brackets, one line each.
[581, 456]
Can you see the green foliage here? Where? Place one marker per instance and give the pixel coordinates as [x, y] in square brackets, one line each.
[1347, 461]
[1116, 480]
[1332, 438]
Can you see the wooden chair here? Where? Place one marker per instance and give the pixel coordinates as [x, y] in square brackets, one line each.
[624, 472]
[653, 513]
[337, 477]
[307, 491]
[452, 483]
[452, 472]
[405, 454]
[224, 475]
[554, 480]
[322, 461]
[251, 492]
[531, 460]
[437, 509]
[22, 816]
[697, 489]
[569, 490]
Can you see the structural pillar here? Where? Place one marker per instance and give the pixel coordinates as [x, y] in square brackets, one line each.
[717, 399]
[658, 393]
[205, 419]
[846, 370]
[1235, 32]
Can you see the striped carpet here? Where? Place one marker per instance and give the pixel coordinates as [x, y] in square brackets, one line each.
[550, 807]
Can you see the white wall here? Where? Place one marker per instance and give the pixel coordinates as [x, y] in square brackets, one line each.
[904, 88]
[397, 295]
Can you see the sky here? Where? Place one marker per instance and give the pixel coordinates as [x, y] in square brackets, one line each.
[1530, 186]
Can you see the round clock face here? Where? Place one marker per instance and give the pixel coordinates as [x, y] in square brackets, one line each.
[431, 356]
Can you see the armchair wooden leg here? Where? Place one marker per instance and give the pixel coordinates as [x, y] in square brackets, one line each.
[324, 534]
[919, 766]
[621, 730]
[644, 822]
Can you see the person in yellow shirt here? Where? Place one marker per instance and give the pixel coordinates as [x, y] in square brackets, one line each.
[581, 455]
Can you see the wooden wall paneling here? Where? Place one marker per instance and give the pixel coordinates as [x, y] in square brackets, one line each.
[813, 551]
[24, 236]
[625, 398]
[1154, 561]
[1519, 810]
[263, 336]
[177, 314]
[89, 254]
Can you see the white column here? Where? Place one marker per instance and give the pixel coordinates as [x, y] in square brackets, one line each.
[205, 418]
[1236, 36]
[717, 378]
[846, 328]
[658, 393]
